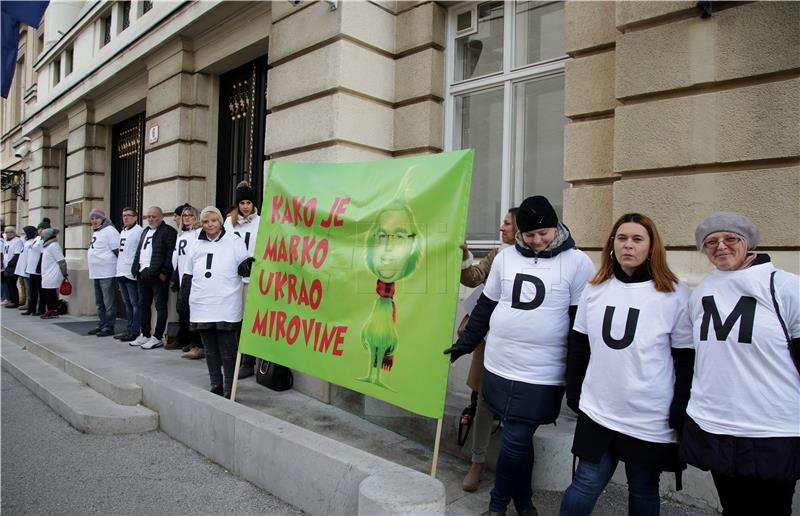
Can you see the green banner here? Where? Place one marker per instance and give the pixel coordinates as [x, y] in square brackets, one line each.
[357, 272]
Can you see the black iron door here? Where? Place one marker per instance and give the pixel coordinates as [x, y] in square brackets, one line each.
[242, 120]
[127, 162]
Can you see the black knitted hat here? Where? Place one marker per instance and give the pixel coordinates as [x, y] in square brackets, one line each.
[245, 193]
[536, 213]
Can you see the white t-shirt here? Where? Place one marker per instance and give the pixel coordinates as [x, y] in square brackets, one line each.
[180, 255]
[247, 232]
[51, 272]
[630, 380]
[147, 248]
[527, 339]
[745, 383]
[216, 293]
[102, 260]
[10, 248]
[23, 259]
[33, 255]
[128, 242]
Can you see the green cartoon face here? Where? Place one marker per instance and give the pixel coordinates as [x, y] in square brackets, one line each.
[393, 246]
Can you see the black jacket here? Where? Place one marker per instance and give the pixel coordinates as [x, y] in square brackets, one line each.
[163, 242]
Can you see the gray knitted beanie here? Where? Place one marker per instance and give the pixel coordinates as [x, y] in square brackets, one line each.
[727, 221]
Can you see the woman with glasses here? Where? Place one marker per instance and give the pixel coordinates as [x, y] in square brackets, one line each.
[188, 230]
[629, 370]
[743, 419]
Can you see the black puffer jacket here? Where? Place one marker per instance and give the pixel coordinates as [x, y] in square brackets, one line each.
[163, 242]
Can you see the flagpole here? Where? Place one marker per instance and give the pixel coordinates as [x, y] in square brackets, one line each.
[236, 376]
[436, 447]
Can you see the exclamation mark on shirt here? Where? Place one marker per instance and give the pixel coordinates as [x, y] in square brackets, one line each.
[209, 257]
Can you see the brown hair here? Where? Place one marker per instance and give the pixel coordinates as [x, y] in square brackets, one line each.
[128, 208]
[663, 277]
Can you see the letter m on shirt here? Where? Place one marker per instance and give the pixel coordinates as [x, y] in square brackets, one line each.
[745, 310]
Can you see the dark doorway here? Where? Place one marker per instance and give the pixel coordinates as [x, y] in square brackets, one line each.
[127, 162]
[242, 120]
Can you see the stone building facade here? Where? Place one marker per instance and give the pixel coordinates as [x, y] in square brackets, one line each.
[606, 107]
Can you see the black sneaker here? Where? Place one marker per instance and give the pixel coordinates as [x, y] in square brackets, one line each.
[216, 389]
[27, 312]
[104, 333]
[128, 337]
[119, 336]
[12, 305]
[94, 331]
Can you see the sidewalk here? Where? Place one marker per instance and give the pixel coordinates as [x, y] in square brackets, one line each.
[124, 365]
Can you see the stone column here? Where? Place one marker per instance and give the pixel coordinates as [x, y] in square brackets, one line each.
[589, 103]
[710, 121]
[178, 166]
[85, 189]
[45, 178]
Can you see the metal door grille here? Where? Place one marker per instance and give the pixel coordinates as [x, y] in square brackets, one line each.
[242, 120]
[127, 161]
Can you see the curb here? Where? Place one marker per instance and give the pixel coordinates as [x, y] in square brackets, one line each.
[123, 394]
[81, 406]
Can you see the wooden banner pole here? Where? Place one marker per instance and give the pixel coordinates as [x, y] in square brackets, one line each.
[436, 447]
[236, 376]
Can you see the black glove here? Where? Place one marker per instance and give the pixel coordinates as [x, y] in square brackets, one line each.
[574, 403]
[677, 414]
[245, 266]
[455, 352]
[684, 371]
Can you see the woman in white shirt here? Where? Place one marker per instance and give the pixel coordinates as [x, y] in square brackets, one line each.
[188, 230]
[629, 370]
[524, 313]
[211, 292]
[243, 221]
[54, 270]
[22, 263]
[744, 413]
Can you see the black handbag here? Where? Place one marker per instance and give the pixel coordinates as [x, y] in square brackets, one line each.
[273, 376]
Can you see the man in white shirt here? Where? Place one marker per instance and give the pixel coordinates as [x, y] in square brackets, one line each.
[102, 254]
[128, 286]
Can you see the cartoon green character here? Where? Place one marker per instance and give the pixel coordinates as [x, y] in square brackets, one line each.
[394, 249]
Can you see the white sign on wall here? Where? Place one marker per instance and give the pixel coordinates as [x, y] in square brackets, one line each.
[152, 134]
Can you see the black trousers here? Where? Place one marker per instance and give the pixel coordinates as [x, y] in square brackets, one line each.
[50, 298]
[11, 283]
[745, 496]
[35, 283]
[220, 347]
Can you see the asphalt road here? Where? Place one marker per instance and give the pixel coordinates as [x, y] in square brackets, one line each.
[48, 467]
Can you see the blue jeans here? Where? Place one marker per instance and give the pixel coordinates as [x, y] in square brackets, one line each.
[590, 480]
[105, 290]
[130, 297]
[514, 469]
[150, 290]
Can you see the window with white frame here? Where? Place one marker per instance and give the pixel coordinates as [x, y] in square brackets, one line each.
[505, 82]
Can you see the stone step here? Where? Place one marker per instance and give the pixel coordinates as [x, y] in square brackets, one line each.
[82, 407]
[83, 368]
